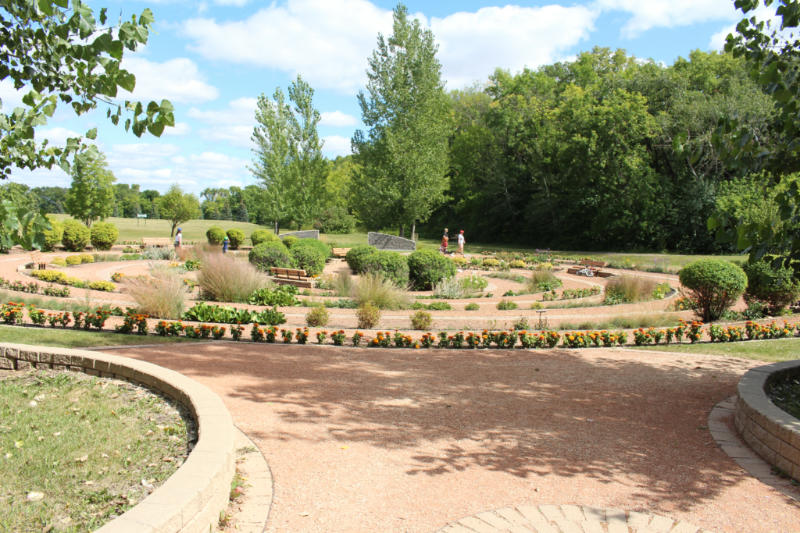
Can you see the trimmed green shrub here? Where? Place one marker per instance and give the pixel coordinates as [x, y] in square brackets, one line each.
[263, 235]
[356, 254]
[104, 235]
[715, 285]
[335, 219]
[428, 267]
[73, 260]
[421, 320]
[317, 317]
[236, 238]
[390, 265]
[289, 241]
[59, 261]
[52, 236]
[86, 258]
[310, 255]
[776, 286]
[270, 254]
[368, 316]
[102, 286]
[215, 235]
[76, 236]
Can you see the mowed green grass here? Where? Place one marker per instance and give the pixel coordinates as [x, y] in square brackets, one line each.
[773, 350]
[71, 338]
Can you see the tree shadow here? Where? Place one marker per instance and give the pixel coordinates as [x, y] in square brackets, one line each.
[604, 415]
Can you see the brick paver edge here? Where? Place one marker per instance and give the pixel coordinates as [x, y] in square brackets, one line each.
[771, 432]
[189, 501]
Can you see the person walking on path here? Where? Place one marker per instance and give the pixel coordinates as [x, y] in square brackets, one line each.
[445, 239]
[178, 238]
[461, 242]
[225, 242]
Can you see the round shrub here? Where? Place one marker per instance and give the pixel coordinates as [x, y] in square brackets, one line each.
[104, 235]
[776, 286]
[310, 255]
[335, 219]
[215, 235]
[73, 260]
[289, 241]
[59, 261]
[236, 238]
[270, 254]
[86, 258]
[317, 317]
[472, 306]
[263, 235]
[715, 285]
[390, 265]
[368, 316]
[428, 267]
[76, 236]
[356, 254]
[52, 236]
[421, 320]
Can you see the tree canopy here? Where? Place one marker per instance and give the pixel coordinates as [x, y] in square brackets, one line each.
[91, 195]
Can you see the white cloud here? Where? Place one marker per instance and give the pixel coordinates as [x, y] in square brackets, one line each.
[233, 124]
[668, 13]
[761, 12]
[180, 128]
[337, 118]
[336, 145]
[10, 97]
[57, 136]
[472, 45]
[177, 80]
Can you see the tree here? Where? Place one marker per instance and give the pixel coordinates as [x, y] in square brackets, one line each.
[59, 52]
[178, 207]
[91, 195]
[404, 156]
[288, 156]
[51, 199]
[127, 202]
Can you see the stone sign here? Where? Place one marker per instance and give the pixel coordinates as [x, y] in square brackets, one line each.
[305, 234]
[382, 241]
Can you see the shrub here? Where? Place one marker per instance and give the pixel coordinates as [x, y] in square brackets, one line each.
[102, 286]
[390, 265]
[310, 255]
[450, 288]
[775, 286]
[335, 219]
[86, 258]
[428, 267]
[223, 278]
[270, 254]
[318, 316]
[76, 236]
[356, 254]
[421, 320]
[505, 305]
[50, 276]
[472, 307]
[263, 235]
[542, 281]
[626, 289]
[158, 253]
[490, 262]
[160, 296]
[368, 316]
[215, 235]
[517, 263]
[289, 241]
[381, 292]
[59, 261]
[282, 295]
[715, 285]
[73, 260]
[104, 235]
[52, 236]
[236, 238]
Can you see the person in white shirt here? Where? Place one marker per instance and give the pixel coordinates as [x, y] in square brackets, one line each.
[461, 242]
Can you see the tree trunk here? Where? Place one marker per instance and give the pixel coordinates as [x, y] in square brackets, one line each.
[401, 231]
[277, 227]
[414, 230]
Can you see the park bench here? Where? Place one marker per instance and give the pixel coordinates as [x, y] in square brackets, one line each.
[340, 252]
[291, 276]
[157, 242]
[590, 268]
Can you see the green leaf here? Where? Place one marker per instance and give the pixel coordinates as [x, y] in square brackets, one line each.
[92, 133]
[126, 80]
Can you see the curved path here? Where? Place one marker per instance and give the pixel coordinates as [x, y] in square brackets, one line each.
[403, 440]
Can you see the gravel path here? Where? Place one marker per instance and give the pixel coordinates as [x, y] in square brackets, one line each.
[401, 440]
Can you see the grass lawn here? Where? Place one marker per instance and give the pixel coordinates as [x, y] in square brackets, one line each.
[773, 351]
[76, 451]
[70, 338]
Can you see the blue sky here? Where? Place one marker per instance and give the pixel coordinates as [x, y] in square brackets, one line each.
[213, 58]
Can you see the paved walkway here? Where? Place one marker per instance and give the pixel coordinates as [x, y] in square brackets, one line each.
[402, 440]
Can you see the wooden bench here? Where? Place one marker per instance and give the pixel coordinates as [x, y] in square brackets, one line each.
[291, 276]
[156, 242]
[340, 252]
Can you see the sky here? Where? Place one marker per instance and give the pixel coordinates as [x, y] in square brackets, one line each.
[213, 58]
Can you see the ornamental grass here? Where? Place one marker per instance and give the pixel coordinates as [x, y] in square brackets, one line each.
[161, 295]
[224, 279]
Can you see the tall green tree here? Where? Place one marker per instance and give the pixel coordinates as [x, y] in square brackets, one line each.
[178, 207]
[51, 199]
[403, 158]
[288, 155]
[91, 195]
[60, 52]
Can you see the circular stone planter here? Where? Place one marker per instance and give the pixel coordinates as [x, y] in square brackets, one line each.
[771, 432]
[192, 498]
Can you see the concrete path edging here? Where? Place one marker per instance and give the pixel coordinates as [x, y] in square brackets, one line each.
[189, 501]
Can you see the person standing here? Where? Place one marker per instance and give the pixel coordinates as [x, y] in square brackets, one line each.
[461, 242]
[178, 238]
[225, 242]
[445, 239]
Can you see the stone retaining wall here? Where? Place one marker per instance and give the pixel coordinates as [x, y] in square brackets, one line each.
[192, 498]
[771, 432]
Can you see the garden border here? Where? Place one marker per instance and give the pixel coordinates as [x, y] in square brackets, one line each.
[192, 498]
[771, 432]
